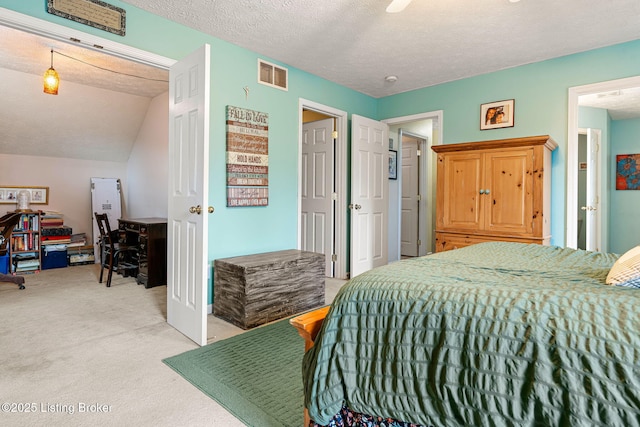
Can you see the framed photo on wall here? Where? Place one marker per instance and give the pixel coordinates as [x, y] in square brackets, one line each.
[495, 115]
[37, 195]
[393, 164]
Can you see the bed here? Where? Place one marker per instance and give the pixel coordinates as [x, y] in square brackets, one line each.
[494, 334]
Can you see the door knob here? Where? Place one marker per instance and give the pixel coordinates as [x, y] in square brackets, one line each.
[195, 209]
[356, 206]
[210, 210]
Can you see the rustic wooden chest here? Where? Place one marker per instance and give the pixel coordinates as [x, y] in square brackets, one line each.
[251, 290]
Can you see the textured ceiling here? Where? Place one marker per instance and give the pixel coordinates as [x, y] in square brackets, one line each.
[357, 44]
[622, 104]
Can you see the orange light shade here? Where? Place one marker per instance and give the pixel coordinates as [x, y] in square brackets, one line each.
[51, 81]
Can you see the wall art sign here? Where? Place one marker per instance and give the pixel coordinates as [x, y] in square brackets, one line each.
[94, 13]
[247, 157]
[37, 195]
[628, 172]
[495, 115]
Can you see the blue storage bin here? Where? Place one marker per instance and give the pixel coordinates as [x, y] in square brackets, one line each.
[4, 264]
[54, 259]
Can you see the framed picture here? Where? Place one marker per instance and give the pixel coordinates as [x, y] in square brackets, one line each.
[628, 172]
[495, 115]
[37, 195]
[393, 164]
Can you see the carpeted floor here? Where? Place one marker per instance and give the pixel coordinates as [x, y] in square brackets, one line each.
[255, 376]
[67, 339]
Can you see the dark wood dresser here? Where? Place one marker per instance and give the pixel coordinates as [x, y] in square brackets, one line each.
[150, 236]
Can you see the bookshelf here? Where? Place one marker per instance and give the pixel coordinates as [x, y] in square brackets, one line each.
[24, 248]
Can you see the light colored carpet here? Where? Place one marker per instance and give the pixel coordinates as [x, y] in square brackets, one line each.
[75, 353]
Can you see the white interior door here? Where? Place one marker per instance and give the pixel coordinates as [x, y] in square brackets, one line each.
[593, 199]
[187, 233]
[317, 189]
[369, 194]
[410, 207]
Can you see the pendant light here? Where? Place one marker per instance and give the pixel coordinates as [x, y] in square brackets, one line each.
[51, 79]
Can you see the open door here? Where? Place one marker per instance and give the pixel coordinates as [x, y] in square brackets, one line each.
[317, 214]
[187, 232]
[410, 195]
[369, 194]
[593, 199]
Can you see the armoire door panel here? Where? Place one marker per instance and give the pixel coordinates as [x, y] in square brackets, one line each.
[461, 188]
[508, 191]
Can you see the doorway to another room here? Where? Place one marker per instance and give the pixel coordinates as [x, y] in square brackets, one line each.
[603, 109]
[197, 267]
[409, 162]
[412, 193]
[322, 185]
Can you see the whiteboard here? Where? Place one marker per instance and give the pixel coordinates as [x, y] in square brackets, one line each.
[105, 199]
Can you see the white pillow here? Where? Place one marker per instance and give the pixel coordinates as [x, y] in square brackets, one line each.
[626, 268]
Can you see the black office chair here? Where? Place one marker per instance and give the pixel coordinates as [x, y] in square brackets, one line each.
[7, 224]
[112, 253]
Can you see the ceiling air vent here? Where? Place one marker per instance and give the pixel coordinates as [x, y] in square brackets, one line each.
[273, 75]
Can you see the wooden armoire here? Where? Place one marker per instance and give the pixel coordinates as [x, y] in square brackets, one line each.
[493, 191]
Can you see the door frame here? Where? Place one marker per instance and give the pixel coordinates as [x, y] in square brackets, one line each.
[571, 196]
[30, 24]
[340, 173]
[427, 179]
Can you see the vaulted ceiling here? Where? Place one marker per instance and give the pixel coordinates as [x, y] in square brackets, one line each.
[97, 113]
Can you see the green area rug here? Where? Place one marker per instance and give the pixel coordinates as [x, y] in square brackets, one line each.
[257, 375]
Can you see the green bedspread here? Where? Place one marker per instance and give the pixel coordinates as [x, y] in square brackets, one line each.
[495, 334]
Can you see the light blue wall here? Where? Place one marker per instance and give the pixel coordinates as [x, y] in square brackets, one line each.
[540, 91]
[625, 227]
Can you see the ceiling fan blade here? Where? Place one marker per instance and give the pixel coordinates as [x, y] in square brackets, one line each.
[397, 6]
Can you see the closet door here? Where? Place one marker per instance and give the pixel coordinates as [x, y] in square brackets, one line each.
[459, 179]
[507, 192]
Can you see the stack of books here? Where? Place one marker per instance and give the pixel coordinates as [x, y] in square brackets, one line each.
[24, 263]
[79, 239]
[52, 219]
[54, 232]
